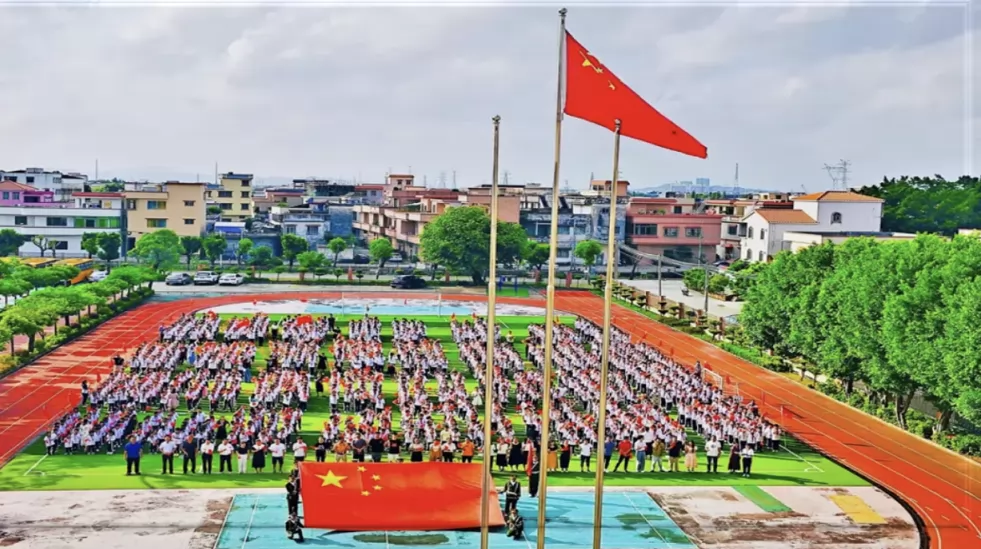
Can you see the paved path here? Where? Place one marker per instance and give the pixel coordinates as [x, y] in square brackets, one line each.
[672, 290]
[942, 487]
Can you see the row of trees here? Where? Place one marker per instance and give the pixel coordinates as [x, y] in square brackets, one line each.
[899, 317]
[40, 297]
[928, 204]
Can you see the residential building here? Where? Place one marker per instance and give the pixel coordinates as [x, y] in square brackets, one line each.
[323, 188]
[370, 193]
[233, 196]
[733, 212]
[311, 221]
[828, 215]
[16, 194]
[61, 184]
[672, 227]
[173, 205]
[264, 200]
[62, 224]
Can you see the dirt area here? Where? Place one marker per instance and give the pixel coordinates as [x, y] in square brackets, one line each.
[113, 519]
[732, 522]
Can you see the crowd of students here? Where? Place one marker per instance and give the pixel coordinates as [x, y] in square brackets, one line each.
[654, 404]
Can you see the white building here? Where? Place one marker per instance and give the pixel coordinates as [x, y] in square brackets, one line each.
[61, 184]
[61, 224]
[815, 218]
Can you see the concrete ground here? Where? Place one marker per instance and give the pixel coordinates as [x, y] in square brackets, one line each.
[672, 290]
[719, 518]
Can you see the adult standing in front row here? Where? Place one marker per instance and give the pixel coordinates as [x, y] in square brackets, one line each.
[133, 451]
[167, 449]
[190, 450]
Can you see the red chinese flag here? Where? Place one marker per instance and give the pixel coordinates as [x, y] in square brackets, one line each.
[394, 496]
[596, 95]
[305, 319]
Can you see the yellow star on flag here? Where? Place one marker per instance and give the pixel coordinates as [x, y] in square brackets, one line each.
[366, 493]
[361, 469]
[376, 477]
[377, 487]
[330, 479]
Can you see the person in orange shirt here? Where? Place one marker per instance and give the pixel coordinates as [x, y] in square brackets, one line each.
[466, 451]
[625, 448]
[340, 451]
[436, 451]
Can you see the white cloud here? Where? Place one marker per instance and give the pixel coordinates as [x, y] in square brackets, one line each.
[321, 90]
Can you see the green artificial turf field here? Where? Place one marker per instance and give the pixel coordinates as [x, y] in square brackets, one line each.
[32, 470]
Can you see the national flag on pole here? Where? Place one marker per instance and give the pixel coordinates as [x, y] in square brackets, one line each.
[305, 319]
[595, 94]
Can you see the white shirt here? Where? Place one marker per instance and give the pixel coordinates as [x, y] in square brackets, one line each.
[167, 447]
[299, 449]
[585, 449]
[747, 453]
[277, 450]
[207, 448]
[225, 449]
[712, 448]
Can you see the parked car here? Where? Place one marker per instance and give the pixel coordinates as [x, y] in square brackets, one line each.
[205, 277]
[178, 279]
[98, 276]
[361, 259]
[231, 279]
[408, 282]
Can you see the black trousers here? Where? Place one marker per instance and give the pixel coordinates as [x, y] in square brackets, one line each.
[533, 485]
[747, 466]
[293, 505]
[606, 462]
[193, 460]
[584, 462]
[713, 464]
[132, 465]
[206, 462]
[168, 463]
[466, 459]
[224, 461]
[510, 502]
[625, 460]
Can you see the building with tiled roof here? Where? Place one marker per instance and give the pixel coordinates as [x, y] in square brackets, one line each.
[813, 219]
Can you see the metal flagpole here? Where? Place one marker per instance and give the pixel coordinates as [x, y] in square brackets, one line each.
[487, 483]
[605, 357]
[550, 293]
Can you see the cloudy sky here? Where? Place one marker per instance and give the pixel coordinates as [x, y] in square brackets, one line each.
[158, 92]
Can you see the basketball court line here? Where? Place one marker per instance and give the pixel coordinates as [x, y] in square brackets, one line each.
[248, 528]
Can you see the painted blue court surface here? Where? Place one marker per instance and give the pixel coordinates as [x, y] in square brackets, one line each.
[631, 520]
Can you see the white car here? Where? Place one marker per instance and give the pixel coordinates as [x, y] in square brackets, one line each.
[205, 277]
[231, 279]
[98, 276]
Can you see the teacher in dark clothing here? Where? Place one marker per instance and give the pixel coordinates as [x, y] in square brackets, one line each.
[133, 451]
[190, 450]
[533, 477]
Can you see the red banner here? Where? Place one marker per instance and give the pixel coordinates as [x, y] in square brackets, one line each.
[394, 496]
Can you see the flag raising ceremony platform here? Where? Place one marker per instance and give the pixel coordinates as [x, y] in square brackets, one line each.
[382, 497]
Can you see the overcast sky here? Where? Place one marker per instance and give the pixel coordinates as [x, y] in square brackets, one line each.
[165, 92]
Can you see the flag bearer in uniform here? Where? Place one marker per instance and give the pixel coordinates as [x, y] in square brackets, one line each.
[512, 493]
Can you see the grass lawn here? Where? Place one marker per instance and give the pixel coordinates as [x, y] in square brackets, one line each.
[31, 470]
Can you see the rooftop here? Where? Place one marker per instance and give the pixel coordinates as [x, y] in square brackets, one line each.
[836, 196]
[784, 216]
[99, 195]
[12, 186]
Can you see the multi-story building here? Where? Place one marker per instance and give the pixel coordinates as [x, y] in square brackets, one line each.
[17, 194]
[58, 226]
[311, 221]
[233, 196]
[62, 185]
[262, 201]
[672, 227]
[733, 213]
[173, 205]
[323, 188]
[815, 218]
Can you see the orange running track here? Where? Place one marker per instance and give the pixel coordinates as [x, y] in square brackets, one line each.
[940, 486]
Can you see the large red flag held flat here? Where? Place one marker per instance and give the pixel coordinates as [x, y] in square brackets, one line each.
[595, 94]
[394, 496]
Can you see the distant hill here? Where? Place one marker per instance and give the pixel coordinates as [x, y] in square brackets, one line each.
[660, 190]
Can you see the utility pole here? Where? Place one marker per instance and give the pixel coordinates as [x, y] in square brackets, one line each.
[660, 292]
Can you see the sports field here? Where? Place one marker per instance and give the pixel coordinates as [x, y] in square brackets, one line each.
[795, 465]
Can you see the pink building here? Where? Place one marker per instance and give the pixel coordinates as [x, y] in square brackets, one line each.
[667, 226]
[18, 194]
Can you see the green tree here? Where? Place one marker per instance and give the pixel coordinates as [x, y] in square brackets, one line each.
[928, 204]
[214, 247]
[192, 247]
[109, 247]
[262, 258]
[90, 243]
[10, 242]
[381, 251]
[292, 246]
[589, 251]
[243, 250]
[14, 287]
[459, 239]
[336, 246]
[535, 254]
[694, 279]
[43, 244]
[161, 249]
[718, 283]
[310, 261]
